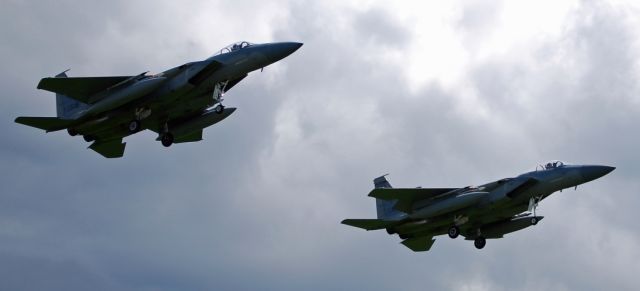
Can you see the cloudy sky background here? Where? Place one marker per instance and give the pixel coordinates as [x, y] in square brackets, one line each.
[438, 95]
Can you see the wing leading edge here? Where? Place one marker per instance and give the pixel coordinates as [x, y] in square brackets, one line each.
[80, 88]
[406, 197]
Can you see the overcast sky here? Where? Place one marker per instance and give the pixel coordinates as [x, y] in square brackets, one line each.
[438, 95]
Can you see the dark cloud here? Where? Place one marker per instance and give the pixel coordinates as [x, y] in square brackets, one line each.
[257, 204]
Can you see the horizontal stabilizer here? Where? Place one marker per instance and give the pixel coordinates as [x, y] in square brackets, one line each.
[46, 123]
[407, 196]
[419, 244]
[109, 149]
[370, 224]
[80, 88]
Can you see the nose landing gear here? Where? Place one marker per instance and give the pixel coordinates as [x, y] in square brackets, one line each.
[533, 204]
[219, 109]
[218, 93]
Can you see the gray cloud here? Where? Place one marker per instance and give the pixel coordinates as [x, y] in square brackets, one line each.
[257, 204]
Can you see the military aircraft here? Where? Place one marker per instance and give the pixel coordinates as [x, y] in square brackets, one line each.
[478, 213]
[177, 104]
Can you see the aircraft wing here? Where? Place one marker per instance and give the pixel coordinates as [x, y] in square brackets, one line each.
[419, 244]
[370, 224]
[46, 123]
[80, 88]
[407, 196]
[110, 148]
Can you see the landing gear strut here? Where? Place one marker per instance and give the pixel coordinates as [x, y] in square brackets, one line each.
[166, 138]
[218, 93]
[533, 204]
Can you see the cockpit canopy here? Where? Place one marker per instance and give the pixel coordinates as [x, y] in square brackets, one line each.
[233, 47]
[553, 165]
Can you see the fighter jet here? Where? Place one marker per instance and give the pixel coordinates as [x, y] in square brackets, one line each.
[177, 104]
[478, 213]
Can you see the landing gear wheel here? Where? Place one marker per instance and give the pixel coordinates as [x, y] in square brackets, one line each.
[167, 139]
[453, 232]
[534, 220]
[480, 242]
[219, 109]
[134, 126]
[403, 236]
[88, 138]
[72, 132]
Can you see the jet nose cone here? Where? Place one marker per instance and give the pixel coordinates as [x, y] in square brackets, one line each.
[591, 173]
[280, 50]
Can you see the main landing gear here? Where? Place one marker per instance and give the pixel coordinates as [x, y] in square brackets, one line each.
[166, 139]
[134, 126]
[453, 231]
[140, 114]
[480, 242]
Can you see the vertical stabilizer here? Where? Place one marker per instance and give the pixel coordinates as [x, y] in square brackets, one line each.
[384, 208]
[67, 107]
